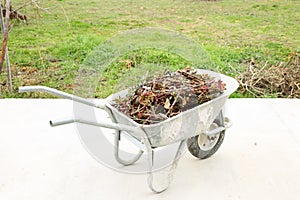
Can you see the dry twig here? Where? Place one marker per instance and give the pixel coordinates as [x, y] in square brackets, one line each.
[4, 52]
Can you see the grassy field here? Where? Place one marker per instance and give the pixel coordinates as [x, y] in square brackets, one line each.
[50, 49]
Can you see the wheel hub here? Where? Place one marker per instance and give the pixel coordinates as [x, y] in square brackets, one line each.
[207, 142]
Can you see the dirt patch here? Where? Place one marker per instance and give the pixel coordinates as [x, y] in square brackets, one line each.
[30, 75]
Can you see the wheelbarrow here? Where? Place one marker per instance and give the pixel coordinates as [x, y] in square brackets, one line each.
[201, 128]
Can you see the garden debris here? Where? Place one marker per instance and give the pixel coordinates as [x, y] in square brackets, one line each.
[14, 14]
[282, 80]
[167, 96]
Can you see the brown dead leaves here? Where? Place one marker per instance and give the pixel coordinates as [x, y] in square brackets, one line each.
[167, 96]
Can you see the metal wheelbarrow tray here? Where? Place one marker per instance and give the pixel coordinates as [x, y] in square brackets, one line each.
[202, 127]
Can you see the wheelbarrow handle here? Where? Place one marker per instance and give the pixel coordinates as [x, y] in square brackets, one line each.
[122, 127]
[58, 93]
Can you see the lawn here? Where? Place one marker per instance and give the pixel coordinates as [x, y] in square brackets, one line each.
[60, 35]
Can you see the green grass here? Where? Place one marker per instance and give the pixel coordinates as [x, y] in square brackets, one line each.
[52, 47]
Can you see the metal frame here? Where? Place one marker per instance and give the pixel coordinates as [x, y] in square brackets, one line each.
[123, 130]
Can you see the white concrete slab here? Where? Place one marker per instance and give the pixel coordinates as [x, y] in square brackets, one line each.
[259, 159]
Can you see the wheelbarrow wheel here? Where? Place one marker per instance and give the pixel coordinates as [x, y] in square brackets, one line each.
[203, 146]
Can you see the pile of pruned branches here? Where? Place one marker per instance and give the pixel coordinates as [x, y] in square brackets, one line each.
[281, 80]
[167, 96]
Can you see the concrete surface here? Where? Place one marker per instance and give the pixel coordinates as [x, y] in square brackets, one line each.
[259, 159]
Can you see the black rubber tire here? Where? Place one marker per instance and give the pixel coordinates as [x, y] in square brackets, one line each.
[195, 150]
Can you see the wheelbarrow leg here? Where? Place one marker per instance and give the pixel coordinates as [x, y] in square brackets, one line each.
[166, 174]
[117, 139]
[117, 156]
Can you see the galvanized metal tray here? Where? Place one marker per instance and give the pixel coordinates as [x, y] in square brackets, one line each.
[185, 125]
